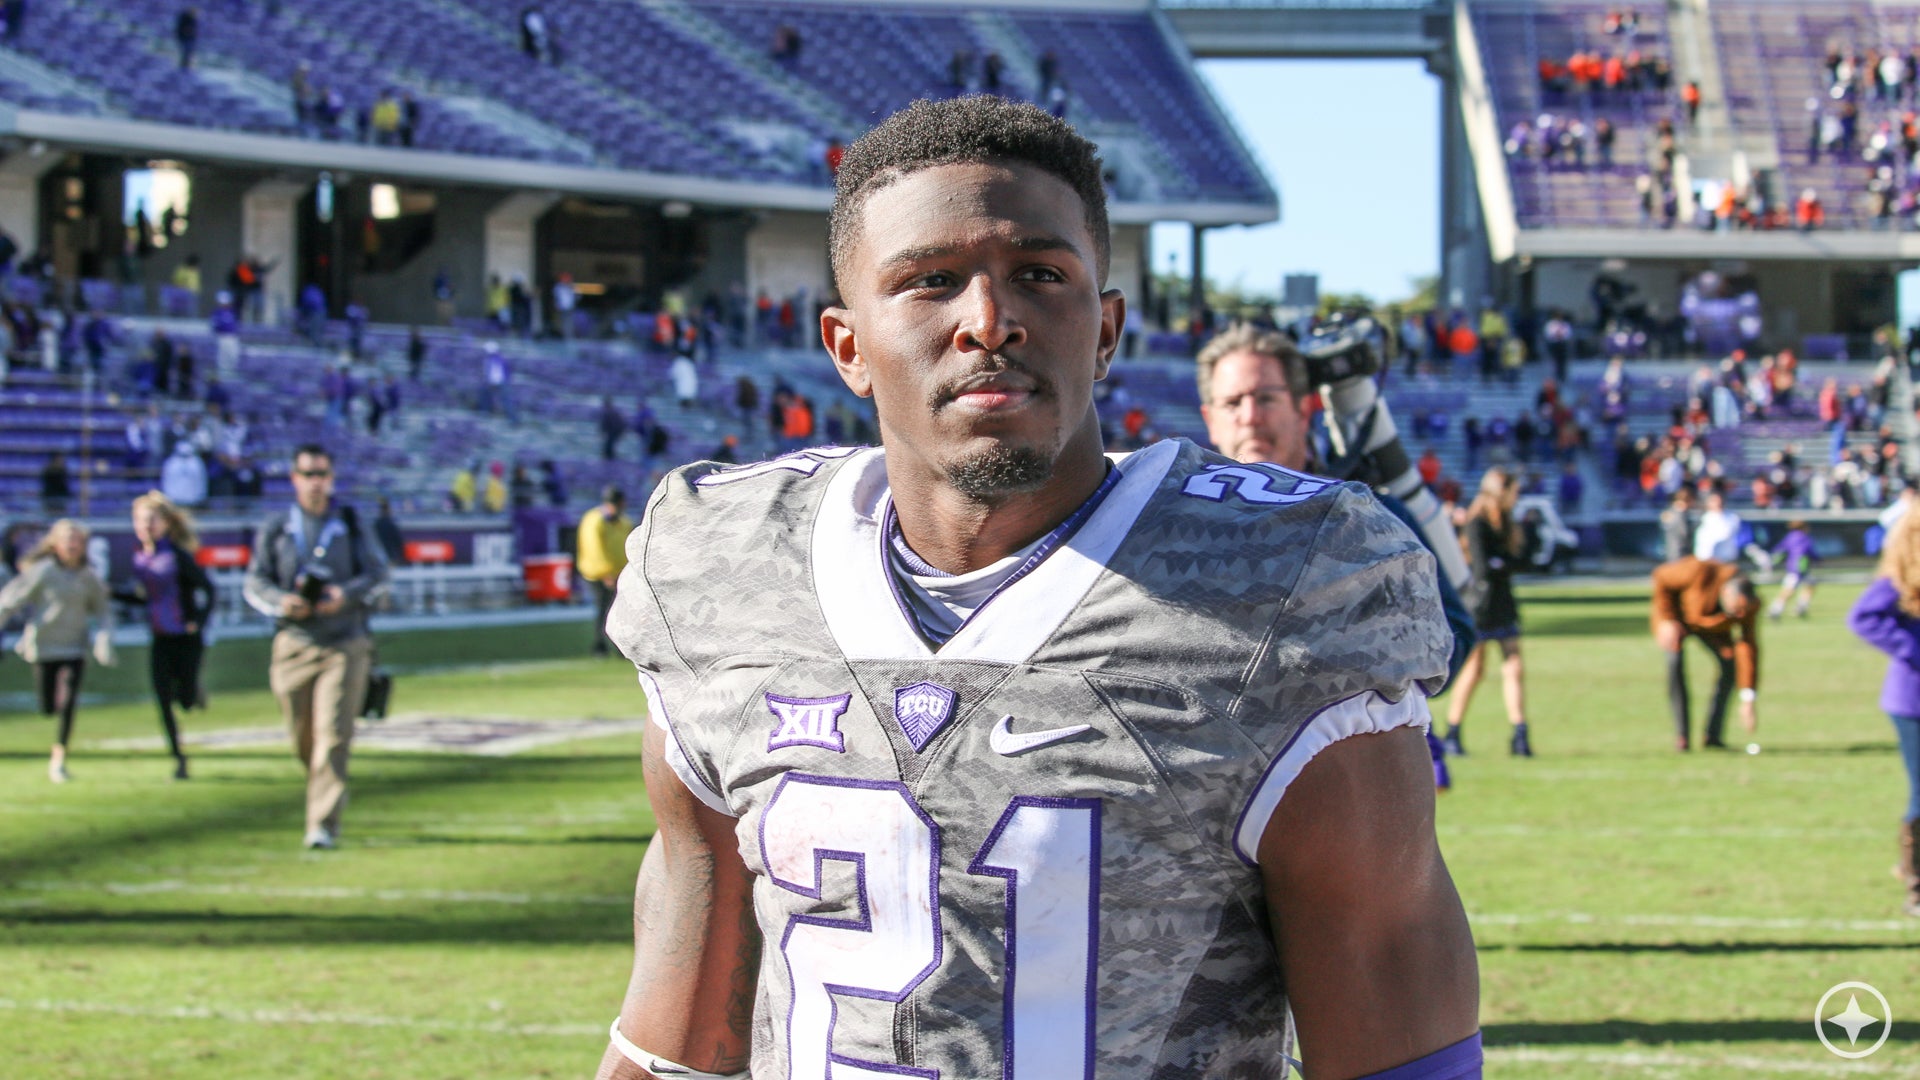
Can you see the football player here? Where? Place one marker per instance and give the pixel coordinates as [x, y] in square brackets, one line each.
[987, 754]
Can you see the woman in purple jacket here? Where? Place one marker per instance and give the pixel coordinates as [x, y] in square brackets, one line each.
[1888, 618]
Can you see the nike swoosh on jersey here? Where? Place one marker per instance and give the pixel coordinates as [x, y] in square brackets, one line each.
[1007, 744]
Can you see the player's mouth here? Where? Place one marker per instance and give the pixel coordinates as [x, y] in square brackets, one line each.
[998, 391]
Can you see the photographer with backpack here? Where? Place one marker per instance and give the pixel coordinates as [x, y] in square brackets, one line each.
[318, 573]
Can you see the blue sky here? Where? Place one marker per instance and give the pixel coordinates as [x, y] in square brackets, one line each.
[1354, 148]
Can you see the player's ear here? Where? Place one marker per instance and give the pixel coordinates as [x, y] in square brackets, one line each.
[836, 333]
[1113, 318]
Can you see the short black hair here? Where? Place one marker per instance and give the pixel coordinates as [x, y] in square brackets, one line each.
[612, 494]
[313, 449]
[964, 130]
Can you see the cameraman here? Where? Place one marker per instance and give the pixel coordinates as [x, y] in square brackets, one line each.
[1256, 398]
[317, 573]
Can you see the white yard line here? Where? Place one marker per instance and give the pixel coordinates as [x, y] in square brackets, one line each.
[175, 886]
[298, 1016]
[1663, 1061]
[1707, 922]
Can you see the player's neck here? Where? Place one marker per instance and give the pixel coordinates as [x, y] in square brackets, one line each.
[959, 534]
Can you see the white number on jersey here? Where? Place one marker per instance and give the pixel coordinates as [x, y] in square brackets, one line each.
[1047, 851]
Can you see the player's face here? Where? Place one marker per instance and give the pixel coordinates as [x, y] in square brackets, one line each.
[1250, 414]
[975, 320]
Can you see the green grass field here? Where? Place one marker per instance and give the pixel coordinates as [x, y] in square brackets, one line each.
[1638, 912]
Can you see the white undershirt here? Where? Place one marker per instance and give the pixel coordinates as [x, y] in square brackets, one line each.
[942, 602]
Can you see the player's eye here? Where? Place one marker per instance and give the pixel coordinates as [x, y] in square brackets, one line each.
[1042, 273]
[938, 279]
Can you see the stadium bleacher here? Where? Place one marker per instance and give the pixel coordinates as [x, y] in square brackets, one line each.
[679, 88]
[1514, 38]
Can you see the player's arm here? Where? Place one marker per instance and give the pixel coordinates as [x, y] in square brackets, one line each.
[696, 952]
[1379, 960]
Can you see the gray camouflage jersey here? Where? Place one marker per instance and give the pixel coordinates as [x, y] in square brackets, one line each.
[1027, 852]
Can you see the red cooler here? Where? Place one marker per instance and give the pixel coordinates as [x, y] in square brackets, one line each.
[549, 578]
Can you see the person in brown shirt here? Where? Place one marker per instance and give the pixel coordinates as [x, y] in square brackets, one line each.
[1715, 602]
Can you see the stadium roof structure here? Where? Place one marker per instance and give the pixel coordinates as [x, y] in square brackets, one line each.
[656, 99]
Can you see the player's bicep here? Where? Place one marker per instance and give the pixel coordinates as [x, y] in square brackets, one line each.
[1373, 941]
[696, 944]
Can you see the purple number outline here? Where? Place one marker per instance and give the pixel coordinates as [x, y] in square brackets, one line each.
[979, 867]
[864, 923]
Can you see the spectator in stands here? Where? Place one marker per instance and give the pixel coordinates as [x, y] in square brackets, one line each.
[186, 32]
[1690, 98]
[1429, 467]
[497, 301]
[301, 87]
[1718, 534]
[520, 306]
[14, 12]
[183, 478]
[357, 318]
[56, 485]
[186, 277]
[385, 118]
[613, 426]
[551, 484]
[496, 394]
[1808, 213]
[522, 492]
[493, 496]
[416, 353]
[565, 300]
[601, 542]
[461, 491]
[386, 532]
[533, 32]
[797, 421]
[786, 44]
[410, 117]
[383, 400]
[686, 381]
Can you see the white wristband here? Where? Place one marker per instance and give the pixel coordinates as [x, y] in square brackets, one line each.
[659, 1066]
[1749, 695]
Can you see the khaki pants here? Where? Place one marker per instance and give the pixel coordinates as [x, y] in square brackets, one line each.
[321, 689]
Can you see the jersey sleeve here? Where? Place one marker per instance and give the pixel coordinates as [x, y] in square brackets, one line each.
[1357, 648]
[639, 626]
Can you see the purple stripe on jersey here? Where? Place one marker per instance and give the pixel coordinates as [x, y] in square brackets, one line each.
[1461, 1061]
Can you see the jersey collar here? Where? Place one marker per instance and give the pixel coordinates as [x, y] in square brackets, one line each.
[856, 592]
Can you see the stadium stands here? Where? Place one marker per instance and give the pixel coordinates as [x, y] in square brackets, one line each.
[1514, 39]
[1772, 59]
[685, 88]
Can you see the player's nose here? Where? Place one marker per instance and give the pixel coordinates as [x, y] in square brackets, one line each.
[987, 320]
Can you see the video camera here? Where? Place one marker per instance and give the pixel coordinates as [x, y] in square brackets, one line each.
[1343, 356]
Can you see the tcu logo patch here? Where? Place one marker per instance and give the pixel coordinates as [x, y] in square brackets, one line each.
[808, 722]
[922, 710]
[1254, 484]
